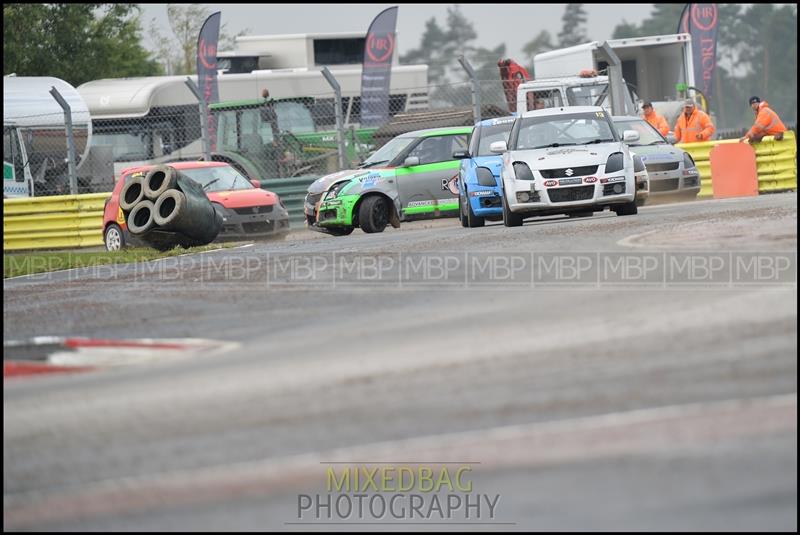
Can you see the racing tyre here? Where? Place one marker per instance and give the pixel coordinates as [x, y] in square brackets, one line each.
[510, 219]
[113, 238]
[629, 208]
[473, 221]
[461, 216]
[373, 215]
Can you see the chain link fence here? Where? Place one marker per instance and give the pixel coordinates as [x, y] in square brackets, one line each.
[262, 138]
[35, 153]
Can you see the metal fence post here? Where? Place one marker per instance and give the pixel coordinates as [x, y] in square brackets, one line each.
[71, 169]
[476, 88]
[203, 119]
[337, 90]
[616, 85]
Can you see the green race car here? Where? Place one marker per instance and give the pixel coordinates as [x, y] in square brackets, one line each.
[411, 177]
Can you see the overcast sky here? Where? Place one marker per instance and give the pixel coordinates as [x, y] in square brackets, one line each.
[512, 24]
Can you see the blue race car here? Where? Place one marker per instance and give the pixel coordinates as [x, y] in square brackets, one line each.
[479, 193]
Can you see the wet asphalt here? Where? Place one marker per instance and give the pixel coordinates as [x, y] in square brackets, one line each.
[596, 373]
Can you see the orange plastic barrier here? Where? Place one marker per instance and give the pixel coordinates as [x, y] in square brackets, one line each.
[733, 166]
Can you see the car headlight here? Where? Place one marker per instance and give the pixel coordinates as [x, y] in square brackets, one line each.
[688, 162]
[638, 164]
[485, 177]
[336, 189]
[615, 162]
[522, 171]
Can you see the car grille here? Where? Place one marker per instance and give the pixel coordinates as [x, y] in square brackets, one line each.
[657, 167]
[562, 173]
[313, 198]
[663, 185]
[580, 193]
[257, 226]
[250, 210]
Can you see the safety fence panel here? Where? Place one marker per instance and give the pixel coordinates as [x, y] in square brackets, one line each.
[292, 192]
[776, 162]
[53, 222]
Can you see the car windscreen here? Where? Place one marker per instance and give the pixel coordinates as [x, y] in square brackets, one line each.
[218, 178]
[388, 152]
[561, 130]
[491, 133]
[647, 134]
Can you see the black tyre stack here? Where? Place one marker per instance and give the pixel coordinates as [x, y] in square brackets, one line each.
[166, 208]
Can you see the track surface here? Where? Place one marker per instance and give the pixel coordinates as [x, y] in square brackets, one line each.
[645, 406]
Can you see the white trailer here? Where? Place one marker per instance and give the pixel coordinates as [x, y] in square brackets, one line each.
[658, 68]
[155, 119]
[35, 138]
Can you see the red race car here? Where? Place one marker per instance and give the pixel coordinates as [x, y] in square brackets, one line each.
[247, 210]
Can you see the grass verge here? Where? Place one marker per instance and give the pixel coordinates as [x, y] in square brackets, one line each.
[30, 263]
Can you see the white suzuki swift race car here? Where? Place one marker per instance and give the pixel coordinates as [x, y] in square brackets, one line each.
[567, 160]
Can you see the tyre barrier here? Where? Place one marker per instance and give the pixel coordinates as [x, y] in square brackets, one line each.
[174, 210]
[54, 222]
[776, 162]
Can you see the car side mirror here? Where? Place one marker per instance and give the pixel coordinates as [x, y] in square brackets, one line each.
[256, 183]
[411, 161]
[498, 147]
[629, 136]
[461, 155]
[671, 139]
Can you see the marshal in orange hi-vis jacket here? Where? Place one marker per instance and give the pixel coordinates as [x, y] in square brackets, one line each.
[693, 125]
[656, 121]
[767, 122]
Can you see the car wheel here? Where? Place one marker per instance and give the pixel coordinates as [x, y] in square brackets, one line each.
[473, 221]
[629, 208]
[462, 215]
[113, 238]
[373, 215]
[510, 219]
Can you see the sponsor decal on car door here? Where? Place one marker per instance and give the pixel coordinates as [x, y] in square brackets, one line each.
[426, 188]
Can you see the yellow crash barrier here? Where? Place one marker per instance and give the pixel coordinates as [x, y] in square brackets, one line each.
[776, 162]
[53, 222]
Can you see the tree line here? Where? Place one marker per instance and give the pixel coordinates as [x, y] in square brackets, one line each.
[83, 42]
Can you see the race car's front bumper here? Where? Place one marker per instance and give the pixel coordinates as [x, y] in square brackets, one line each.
[486, 201]
[531, 197]
[253, 222]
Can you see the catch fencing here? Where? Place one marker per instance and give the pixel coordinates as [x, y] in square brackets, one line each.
[265, 139]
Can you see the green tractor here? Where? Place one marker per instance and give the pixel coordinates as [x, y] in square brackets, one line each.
[278, 138]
